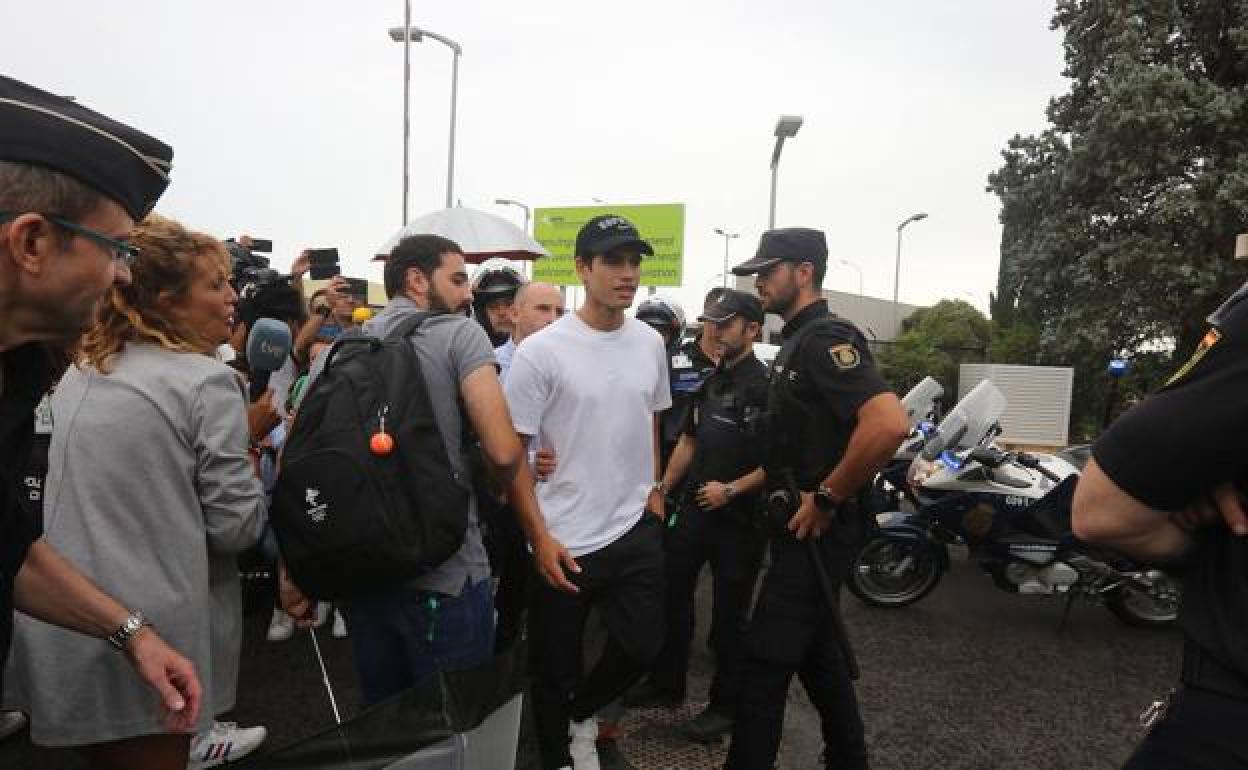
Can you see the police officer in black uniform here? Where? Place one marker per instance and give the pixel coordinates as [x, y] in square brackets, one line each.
[831, 424]
[689, 364]
[1166, 486]
[716, 519]
[73, 183]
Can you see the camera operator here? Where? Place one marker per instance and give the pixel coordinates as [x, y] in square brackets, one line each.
[831, 424]
[1165, 485]
[264, 293]
[325, 319]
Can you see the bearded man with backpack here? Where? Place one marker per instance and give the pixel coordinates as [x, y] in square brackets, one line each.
[361, 481]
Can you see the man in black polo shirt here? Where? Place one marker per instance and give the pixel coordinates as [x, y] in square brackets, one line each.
[1165, 486]
[73, 183]
[716, 522]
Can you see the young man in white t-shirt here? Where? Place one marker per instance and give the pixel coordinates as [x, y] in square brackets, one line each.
[589, 387]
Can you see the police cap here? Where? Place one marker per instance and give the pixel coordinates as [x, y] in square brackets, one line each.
[731, 302]
[793, 244]
[50, 131]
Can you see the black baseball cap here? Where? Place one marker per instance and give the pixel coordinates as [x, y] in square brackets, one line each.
[730, 302]
[602, 234]
[43, 129]
[794, 244]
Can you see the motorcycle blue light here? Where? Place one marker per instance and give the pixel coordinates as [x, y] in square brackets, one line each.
[950, 460]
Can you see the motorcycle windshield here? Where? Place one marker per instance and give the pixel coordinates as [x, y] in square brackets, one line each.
[919, 401]
[969, 422]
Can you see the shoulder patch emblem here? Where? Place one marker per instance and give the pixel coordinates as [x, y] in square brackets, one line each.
[845, 356]
[1210, 339]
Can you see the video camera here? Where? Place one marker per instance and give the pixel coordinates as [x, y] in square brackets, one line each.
[262, 291]
[248, 269]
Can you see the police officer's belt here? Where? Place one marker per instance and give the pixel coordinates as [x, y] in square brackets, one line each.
[1205, 673]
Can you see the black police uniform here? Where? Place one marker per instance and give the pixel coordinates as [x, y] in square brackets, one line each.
[28, 372]
[689, 368]
[1167, 452]
[822, 375]
[721, 420]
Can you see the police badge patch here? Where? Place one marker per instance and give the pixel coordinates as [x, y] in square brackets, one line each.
[845, 356]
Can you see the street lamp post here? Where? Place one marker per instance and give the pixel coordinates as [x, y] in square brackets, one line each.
[897, 266]
[406, 35]
[857, 267]
[786, 127]
[527, 211]
[727, 237]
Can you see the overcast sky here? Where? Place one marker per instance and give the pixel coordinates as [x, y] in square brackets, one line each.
[286, 117]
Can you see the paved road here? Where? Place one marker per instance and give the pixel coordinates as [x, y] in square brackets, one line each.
[972, 678]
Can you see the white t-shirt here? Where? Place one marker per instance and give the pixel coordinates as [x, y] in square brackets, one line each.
[591, 396]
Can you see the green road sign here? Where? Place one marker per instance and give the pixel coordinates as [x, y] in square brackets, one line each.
[662, 224]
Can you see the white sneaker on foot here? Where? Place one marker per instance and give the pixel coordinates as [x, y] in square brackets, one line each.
[583, 745]
[11, 723]
[281, 627]
[322, 613]
[225, 741]
[340, 626]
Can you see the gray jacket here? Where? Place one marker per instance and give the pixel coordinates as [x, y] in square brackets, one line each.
[151, 494]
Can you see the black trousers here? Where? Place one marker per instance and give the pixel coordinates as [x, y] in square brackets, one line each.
[624, 582]
[791, 633]
[733, 550]
[1202, 730]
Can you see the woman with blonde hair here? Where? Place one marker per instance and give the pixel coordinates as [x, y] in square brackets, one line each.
[151, 491]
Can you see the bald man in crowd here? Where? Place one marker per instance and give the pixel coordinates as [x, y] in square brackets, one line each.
[536, 306]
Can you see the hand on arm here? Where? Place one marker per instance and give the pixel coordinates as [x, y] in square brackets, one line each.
[546, 463]
[49, 588]
[1225, 504]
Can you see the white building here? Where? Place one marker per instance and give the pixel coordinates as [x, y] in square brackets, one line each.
[878, 319]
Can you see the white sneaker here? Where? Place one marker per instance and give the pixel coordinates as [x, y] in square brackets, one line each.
[584, 744]
[340, 626]
[281, 627]
[225, 741]
[11, 723]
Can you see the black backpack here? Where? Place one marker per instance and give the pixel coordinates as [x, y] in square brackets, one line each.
[349, 521]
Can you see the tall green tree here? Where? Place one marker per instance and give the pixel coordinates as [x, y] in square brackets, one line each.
[1119, 220]
[935, 341]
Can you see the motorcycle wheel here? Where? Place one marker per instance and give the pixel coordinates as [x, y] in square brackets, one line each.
[872, 581]
[1137, 607]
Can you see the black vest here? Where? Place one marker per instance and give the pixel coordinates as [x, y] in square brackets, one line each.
[803, 437]
[725, 417]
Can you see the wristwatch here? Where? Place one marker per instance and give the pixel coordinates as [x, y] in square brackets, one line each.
[129, 629]
[826, 500]
[730, 490]
[660, 488]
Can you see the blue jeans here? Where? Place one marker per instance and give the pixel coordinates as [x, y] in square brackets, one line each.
[401, 639]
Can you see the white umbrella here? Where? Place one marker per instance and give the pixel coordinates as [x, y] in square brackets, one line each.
[480, 234]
